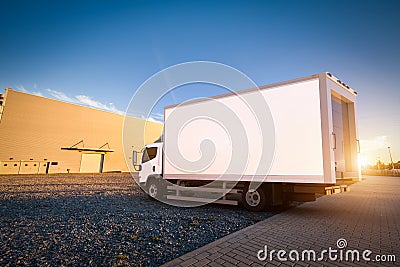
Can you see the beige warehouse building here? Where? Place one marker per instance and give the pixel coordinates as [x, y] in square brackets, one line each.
[42, 135]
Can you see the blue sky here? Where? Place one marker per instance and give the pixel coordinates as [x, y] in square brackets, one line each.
[98, 53]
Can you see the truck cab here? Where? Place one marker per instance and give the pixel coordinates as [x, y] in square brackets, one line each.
[150, 170]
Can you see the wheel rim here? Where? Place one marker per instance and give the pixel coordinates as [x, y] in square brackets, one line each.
[153, 190]
[253, 198]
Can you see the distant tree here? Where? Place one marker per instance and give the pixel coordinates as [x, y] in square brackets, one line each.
[397, 165]
[380, 165]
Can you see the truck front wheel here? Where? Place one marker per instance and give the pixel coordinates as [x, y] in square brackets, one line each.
[254, 199]
[155, 189]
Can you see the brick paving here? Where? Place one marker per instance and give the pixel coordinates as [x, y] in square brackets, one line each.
[367, 217]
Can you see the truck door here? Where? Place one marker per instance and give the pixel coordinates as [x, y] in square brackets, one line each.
[337, 117]
[150, 163]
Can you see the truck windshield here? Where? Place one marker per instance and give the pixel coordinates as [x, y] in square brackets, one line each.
[149, 154]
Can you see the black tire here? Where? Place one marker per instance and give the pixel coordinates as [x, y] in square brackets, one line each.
[254, 200]
[155, 188]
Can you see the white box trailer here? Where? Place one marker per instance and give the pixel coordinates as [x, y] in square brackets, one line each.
[309, 142]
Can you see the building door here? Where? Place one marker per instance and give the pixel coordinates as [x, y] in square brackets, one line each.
[101, 162]
[91, 162]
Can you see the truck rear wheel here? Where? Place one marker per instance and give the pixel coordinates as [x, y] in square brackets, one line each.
[254, 200]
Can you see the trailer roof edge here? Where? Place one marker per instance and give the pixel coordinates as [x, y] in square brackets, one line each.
[267, 86]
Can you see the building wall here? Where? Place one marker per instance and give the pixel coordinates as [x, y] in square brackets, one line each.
[33, 129]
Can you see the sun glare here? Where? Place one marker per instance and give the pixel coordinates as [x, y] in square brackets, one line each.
[362, 159]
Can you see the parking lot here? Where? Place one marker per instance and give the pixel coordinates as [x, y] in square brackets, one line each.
[364, 220]
[102, 220]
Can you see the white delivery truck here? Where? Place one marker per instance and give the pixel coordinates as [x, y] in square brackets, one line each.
[314, 145]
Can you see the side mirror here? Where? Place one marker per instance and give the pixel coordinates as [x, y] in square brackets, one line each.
[134, 161]
[134, 158]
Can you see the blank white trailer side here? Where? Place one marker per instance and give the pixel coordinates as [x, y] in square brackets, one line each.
[315, 132]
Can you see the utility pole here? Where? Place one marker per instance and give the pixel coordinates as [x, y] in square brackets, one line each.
[391, 159]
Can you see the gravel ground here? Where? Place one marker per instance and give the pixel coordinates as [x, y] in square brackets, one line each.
[102, 220]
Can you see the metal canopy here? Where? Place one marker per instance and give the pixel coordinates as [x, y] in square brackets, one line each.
[84, 149]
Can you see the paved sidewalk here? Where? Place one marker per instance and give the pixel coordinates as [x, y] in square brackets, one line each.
[367, 217]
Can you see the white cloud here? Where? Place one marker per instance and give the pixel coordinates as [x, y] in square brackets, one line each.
[78, 99]
[60, 95]
[158, 116]
[21, 88]
[84, 100]
[153, 117]
[37, 93]
[87, 100]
